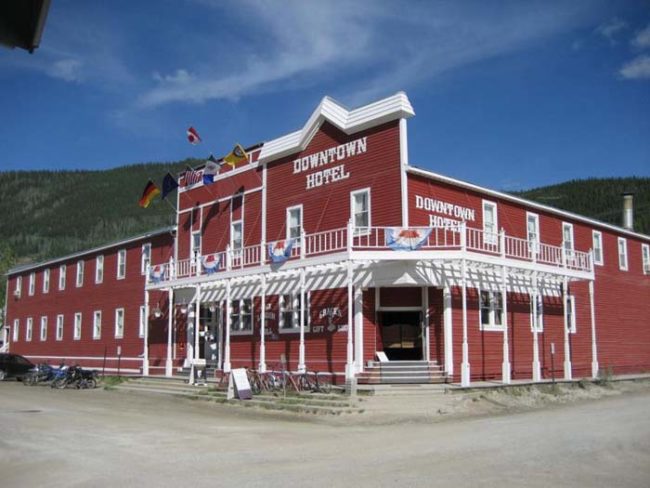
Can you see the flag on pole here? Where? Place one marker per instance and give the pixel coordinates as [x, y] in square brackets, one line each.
[237, 155]
[193, 136]
[169, 184]
[211, 170]
[191, 176]
[280, 251]
[150, 191]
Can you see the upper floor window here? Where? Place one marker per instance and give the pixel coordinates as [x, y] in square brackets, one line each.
[99, 269]
[146, 258]
[62, 271]
[19, 286]
[491, 307]
[532, 227]
[97, 324]
[360, 210]
[32, 283]
[597, 246]
[195, 244]
[29, 329]
[236, 236]
[77, 326]
[46, 281]
[121, 264]
[290, 311]
[16, 330]
[537, 322]
[241, 315]
[80, 273]
[59, 327]
[645, 256]
[622, 253]
[571, 313]
[119, 323]
[490, 222]
[294, 224]
[43, 328]
[567, 236]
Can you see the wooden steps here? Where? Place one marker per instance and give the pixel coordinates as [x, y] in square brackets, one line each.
[402, 372]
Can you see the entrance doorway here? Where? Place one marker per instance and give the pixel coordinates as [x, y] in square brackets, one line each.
[209, 336]
[401, 334]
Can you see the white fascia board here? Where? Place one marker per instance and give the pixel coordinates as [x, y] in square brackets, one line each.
[394, 107]
[523, 201]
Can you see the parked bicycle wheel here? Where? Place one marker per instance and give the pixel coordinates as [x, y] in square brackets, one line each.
[323, 383]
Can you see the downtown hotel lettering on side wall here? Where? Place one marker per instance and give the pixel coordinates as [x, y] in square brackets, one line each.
[328, 157]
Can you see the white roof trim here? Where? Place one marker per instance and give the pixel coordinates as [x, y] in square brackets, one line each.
[522, 201]
[394, 107]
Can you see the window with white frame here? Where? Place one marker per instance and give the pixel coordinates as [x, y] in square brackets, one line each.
[540, 314]
[46, 281]
[622, 253]
[645, 256]
[119, 323]
[290, 311]
[19, 286]
[32, 283]
[241, 315]
[571, 313]
[80, 273]
[97, 324]
[490, 222]
[62, 271]
[491, 307]
[16, 330]
[59, 327]
[532, 229]
[29, 328]
[121, 264]
[597, 246]
[360, 211]
[195, 244]
[143, 321]
[294, 224]
[99, 269]
[145, 258]
[236, 236]
[43, 328]
[77, 326]
[567, 237]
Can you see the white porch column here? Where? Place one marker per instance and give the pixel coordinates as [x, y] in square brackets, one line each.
[505, 367]
[358, 329]
[567, 346]
[262, 364]
[349, 365]
[537, 372]
[145, 339]
[301, 345]
[226, 354]
[170, 325]
[426, 352]
[448, 325]
[197, 321]
[464, 367]
[594, 347]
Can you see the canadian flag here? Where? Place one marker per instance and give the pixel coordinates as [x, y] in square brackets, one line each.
[193, 136]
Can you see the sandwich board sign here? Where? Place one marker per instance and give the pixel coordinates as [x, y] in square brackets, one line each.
[238, 385]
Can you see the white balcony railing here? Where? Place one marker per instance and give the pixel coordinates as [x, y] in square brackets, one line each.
[349, 239]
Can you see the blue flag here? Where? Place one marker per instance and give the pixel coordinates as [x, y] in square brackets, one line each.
[169, 184]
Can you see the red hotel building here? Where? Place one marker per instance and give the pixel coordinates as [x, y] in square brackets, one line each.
[329, 251]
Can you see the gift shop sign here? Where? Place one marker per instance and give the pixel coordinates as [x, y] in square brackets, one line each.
[444, 214]
[322, 168]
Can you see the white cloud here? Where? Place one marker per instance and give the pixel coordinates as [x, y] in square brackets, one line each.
[637, 69]
[642, 38]
[66, 69]
[611, 29]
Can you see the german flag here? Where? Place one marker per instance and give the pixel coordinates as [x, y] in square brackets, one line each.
[237, 155]
[150, 191]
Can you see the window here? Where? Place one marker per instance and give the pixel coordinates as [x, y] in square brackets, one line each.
[571, 313]
[99, 269]
[32, 283]
[77, 326]
[236, 236]
[121, 264]
[97, 324]
[145, 258]
[19, 286]
[645, 255]
[241, 315]
[80, 273]
[597, 246]
[567, 237]
[532, 232]
[62, 270]
[59, 327]
[29, 329]
[294, 224]
[290, 311]
[195, 244]
[622, 253]
[491, 310]
[16, 332]
[143, 321]
[540, 314]
[360, 211]
[46, 281]
[43, 328]
[119, 323]
[490, 224]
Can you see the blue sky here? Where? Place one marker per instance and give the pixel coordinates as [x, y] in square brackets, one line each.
[509, 95]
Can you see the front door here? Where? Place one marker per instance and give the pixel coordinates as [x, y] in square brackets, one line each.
[401, 334]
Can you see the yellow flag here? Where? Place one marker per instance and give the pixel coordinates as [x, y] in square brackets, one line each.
[237, 155]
